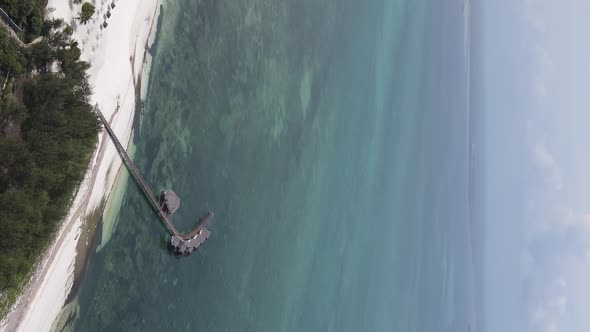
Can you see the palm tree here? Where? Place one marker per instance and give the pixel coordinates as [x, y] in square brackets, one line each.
[86, 12]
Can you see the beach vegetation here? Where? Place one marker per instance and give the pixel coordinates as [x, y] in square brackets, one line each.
[11, 59]
[68, 30]
[86, 12]
[27, 14]
[48, 133]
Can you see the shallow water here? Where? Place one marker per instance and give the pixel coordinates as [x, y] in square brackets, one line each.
[330, 139]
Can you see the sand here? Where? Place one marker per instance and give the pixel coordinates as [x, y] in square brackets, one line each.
[116, 55]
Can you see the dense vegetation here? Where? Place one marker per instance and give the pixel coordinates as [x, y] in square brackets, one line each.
[47, 134]
[27, 14]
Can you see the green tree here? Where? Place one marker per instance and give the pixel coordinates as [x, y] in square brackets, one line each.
[86, 12]
[11, 58]
[44, 160]
[27, 14]
[17, 165]
[68, 30]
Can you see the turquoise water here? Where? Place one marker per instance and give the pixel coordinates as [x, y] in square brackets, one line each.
[330, 139]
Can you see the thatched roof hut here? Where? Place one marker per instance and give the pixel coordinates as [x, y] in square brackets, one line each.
[179, 246]
[170, 201]
[175, 241]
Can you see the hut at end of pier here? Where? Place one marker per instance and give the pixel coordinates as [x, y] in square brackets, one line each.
[183, 247]
[169, 202]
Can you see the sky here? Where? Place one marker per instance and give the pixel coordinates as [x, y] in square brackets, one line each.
[535, 76]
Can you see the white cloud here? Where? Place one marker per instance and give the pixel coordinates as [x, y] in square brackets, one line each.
[555, 262]
[543, 66]
[555, 259]
[549, 306]
[557, 248]
[534, 16]
[545, 161]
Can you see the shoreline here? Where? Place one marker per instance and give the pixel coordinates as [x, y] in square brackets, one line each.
[115, 54]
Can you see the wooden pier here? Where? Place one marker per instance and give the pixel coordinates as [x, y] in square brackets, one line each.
[195, 237]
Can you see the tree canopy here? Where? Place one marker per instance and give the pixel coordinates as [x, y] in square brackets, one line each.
[86, 12]
[47, 135]
[11, 58]
[27, 14]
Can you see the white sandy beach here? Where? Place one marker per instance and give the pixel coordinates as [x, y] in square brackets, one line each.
[110, 52]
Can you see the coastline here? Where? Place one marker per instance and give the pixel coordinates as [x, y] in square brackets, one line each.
[115, 54]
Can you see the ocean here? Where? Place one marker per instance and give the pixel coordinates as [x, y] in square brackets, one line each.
[331, 138]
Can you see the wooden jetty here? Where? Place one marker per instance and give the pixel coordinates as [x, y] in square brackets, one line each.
[181, 244]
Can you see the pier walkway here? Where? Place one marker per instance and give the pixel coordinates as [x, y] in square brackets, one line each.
[146, 189]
